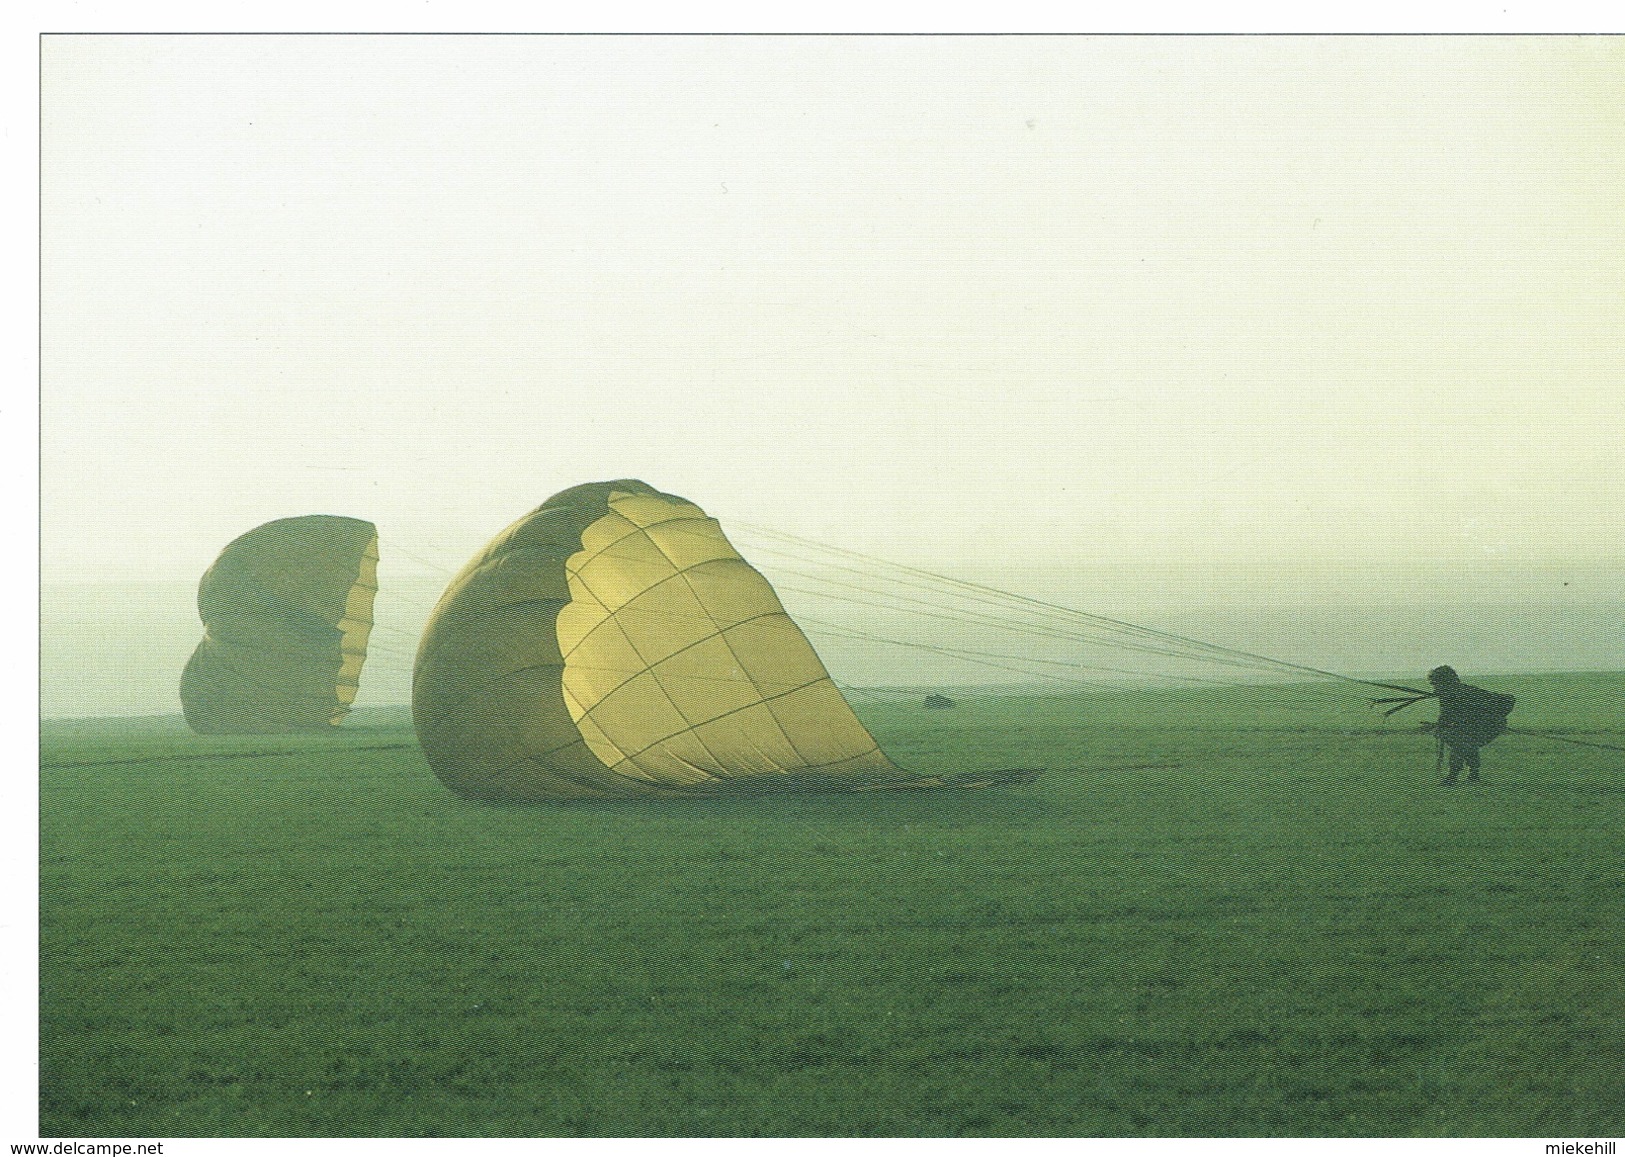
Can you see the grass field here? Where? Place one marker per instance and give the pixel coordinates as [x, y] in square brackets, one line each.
[1219, 912]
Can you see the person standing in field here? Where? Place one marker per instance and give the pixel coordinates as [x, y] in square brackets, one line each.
[1469, 717]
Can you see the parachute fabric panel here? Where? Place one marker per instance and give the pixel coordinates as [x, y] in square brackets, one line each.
[681, 666]
[287, 612]
[485, 686]
[354, 629]
[612, 643]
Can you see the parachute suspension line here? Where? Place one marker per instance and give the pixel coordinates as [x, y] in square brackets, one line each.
[1041, 629]
[421, 561]
[1047, 629]
[1218, 652]
[830, 630]
[1563, 739]
[1153, 644]
[864, 692]
[956, 613]
[1042, 622]
[407, 637]
[946, 615]
[963, 656]
[1150, 639]
[1401, 702]
[374, 648]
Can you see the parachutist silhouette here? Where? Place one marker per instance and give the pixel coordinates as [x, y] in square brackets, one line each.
[1469, 718]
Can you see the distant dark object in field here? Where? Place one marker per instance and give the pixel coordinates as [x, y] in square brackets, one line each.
[938, 702]
[286, 610]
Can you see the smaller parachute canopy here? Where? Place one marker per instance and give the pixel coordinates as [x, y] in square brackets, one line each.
[287, 611]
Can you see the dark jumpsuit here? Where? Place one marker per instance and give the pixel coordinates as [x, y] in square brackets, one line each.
[1469, 717]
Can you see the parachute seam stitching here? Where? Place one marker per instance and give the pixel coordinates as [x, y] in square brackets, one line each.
[765, 700]
[587, 713]
[722, 634]
[652, 665]
[675, 574]
[717, 632]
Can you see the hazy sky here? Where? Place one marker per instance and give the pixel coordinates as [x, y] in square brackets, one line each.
[1275, 306]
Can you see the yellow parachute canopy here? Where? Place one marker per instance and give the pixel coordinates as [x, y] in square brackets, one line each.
[286, 610]
[613, 643]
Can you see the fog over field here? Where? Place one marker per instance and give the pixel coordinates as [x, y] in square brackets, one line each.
[118, 648]
[1305, 345]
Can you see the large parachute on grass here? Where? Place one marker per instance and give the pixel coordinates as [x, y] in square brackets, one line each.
[286, 610]
[613, 643]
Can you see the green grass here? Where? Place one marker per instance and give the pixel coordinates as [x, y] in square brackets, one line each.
[1219, 912]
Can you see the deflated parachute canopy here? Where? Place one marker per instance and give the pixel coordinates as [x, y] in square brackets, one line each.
[613, 643]
[286, 612]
